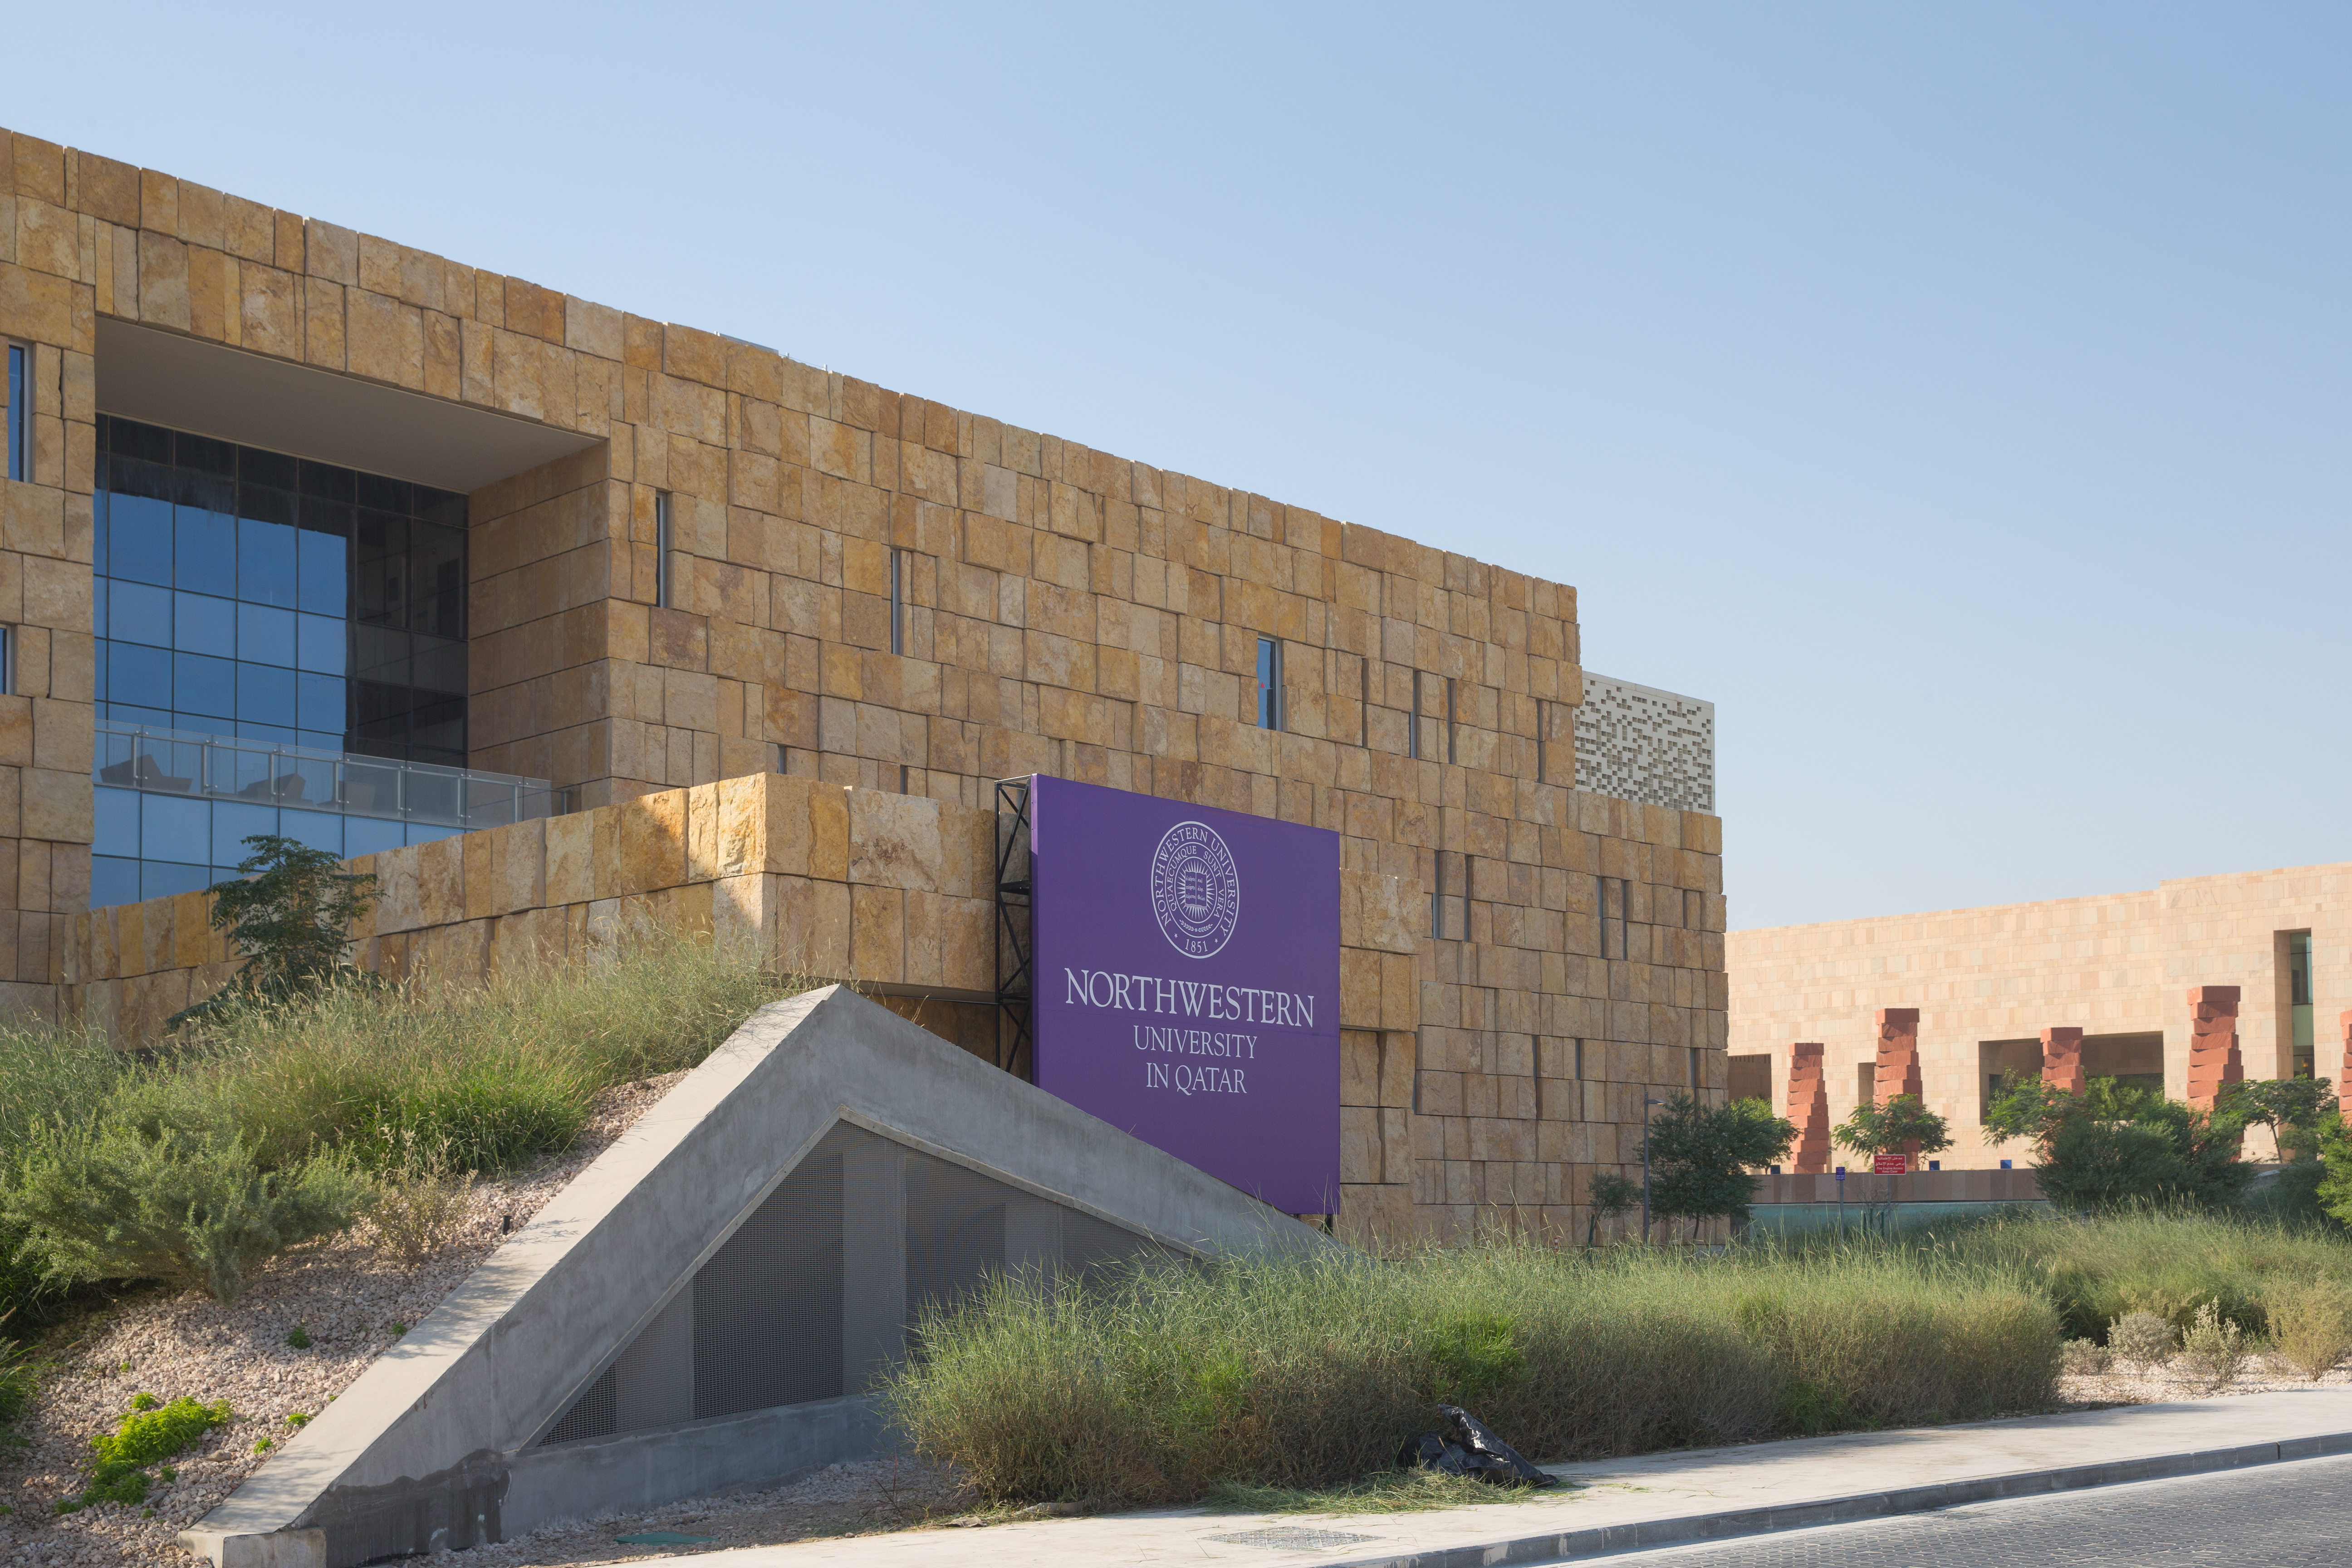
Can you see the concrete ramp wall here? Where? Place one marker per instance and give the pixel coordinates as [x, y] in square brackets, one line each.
[701, 1311]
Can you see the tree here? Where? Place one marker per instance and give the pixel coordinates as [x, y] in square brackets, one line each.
[2171, 1154]
[1700, 1156]
[2295, 1110]
[2112, 1145]
[289, 912]
[1609, 1196]
[1900, 1126]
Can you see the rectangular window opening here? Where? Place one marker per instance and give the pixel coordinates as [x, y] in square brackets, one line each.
[898, 612]
[1612, 917]
[663, 587]
[7, 661]
[783, 759]
[1541, 712]
[2300, 1011]
[1269, 683]
[20, 412]
[1364, 708]
[1412, 725]
[1693, 1071]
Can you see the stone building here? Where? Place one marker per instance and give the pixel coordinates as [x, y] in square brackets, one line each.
[309, 530]
[2199, 983]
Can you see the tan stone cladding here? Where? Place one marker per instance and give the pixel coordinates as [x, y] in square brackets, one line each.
[47, 250]
[2056, 987]
[895, 892]
[870, 589]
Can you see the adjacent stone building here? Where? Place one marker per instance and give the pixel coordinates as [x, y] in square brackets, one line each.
[307, 531]
[2195, 985]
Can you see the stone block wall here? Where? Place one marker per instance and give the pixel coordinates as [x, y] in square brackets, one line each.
[1059, 610]
[49, 245]
[2040, 976]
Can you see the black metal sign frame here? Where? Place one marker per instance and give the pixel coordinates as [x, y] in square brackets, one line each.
[1013, 973]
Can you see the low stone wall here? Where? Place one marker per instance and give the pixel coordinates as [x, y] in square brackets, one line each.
[2012, 1186]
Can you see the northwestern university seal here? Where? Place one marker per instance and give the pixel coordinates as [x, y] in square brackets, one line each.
[1196, 892]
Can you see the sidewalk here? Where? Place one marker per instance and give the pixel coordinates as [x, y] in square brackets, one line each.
[1660, 1499]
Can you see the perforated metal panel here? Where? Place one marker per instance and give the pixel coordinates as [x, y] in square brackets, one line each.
[815, 1289]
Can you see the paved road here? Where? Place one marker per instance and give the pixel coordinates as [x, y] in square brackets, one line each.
[2274, 1516]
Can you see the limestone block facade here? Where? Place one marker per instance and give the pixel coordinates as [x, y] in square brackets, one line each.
[744, 565]
[2197, 981]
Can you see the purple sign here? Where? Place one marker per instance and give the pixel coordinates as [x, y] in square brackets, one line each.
[1186, 983]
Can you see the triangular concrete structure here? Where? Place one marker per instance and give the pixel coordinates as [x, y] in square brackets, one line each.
[697, 1312]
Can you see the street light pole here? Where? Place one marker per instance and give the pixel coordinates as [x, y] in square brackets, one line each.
[1647, 1103]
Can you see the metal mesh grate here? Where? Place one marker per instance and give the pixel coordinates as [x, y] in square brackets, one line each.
[767, 1307]
[816, 1288]
[594, 1414]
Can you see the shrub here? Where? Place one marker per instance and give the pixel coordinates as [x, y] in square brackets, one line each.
[416, 1213]
[2311, 1325]
[2143, 1338]
[110, 1203]
[150, 1432]
[2083, 1358]
[2213, 1350]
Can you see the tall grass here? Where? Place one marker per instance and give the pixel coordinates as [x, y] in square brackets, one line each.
[2165, 1262]
[476, 1076]
[429, 1076]
[1291, 1372]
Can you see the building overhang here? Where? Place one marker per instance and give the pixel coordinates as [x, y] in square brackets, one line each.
[162, 378]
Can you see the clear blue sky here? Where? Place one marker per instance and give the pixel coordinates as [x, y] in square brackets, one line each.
[1956, 395]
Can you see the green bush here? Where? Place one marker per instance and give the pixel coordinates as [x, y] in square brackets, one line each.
[150, 1432]
[1305, 1372]
[110, 1202]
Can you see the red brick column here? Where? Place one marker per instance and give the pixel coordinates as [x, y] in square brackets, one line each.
[2214, 1059]
[2062, 1058]
[1809, 1107]
[1898, 1054]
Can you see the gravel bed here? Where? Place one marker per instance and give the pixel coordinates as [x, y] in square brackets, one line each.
[348, 1297]
[2161, 1385]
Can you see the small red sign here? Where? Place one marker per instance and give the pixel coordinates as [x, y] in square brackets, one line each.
[1887, 1165]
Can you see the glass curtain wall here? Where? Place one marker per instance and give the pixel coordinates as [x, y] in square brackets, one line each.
[245, 593]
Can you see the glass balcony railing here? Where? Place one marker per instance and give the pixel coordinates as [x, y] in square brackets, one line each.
[268, 773]
[174, 808]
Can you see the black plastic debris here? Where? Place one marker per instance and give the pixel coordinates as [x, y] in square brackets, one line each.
[1463, 1447]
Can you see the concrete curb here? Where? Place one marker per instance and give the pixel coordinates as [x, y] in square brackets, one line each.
[1651, 1534]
